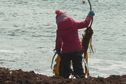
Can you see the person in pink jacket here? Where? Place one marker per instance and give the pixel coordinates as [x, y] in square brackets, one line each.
[68, 44]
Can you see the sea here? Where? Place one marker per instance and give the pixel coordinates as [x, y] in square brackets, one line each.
[28, 33]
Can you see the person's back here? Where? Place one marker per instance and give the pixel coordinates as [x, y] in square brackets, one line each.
[69, 35]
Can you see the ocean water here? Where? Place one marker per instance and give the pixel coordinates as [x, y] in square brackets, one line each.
[28, 29]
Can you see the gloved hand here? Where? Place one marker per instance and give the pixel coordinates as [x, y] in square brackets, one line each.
[58, 52]
[91, 13]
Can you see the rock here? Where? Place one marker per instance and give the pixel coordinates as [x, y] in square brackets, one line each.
[22, 77]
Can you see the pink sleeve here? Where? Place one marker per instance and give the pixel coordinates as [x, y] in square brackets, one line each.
[58, 40]
[83, 24]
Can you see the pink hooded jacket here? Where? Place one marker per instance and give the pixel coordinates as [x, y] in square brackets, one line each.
[67, 38]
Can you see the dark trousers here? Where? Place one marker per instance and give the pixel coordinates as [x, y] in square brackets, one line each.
[74, 59]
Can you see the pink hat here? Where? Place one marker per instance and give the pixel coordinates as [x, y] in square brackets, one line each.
[60, 16]
[59, 12]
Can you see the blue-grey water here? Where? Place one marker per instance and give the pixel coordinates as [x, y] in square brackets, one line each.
[27, 34]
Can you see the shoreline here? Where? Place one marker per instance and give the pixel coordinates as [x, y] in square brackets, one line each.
[8, 76]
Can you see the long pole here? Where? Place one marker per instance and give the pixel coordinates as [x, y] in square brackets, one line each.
[90, 10]
[90, 5]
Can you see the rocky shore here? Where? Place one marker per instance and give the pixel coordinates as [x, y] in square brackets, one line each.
[8, 76]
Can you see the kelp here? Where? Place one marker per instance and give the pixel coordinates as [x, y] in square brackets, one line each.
[57, 66]
[86, 43]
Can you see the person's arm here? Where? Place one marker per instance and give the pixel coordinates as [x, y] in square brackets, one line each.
[86, 22]
[58, 41]
[83, 24]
